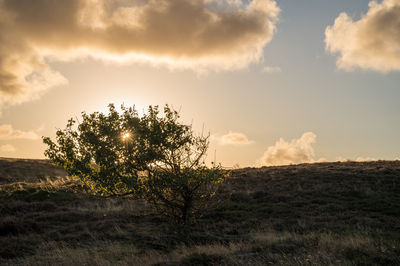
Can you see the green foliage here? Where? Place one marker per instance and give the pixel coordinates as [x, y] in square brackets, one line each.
[152, 156]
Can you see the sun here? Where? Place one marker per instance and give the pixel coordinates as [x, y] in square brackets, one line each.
[126, 136]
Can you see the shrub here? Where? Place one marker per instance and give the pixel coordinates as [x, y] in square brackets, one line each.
[150, 156]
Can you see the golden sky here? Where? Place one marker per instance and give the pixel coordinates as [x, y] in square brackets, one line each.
[275, 82]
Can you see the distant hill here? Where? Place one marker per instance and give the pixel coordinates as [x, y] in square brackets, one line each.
[28, 170]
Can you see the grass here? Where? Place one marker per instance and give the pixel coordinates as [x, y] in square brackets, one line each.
[20, 170]
[327, 213]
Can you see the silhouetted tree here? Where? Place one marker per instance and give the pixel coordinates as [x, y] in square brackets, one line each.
[151, 156]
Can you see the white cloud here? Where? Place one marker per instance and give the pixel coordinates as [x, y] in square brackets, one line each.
[179, 34]
[271, 69]
[233, 138]
[295, 151]
[372, 42]
[342, 159]
[358, 159]
[7, 148]
[365, 159]
[7, 132]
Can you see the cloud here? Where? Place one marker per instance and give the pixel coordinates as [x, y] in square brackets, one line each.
[295, 151]
[231, 3]
[233, 138]
[8, 133]
[7, 148]
[342, 159]
[271, 69]
[358, 159]
[372, 42]
[365, 159]
[180, 34]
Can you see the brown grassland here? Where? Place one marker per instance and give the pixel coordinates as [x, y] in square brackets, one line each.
[311, 214]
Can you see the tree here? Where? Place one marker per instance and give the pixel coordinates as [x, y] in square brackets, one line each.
[152, 156]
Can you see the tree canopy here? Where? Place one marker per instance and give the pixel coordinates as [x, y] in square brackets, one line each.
[152, 156]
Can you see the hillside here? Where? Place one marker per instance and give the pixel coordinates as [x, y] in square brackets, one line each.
[326, 213]
[27, 170]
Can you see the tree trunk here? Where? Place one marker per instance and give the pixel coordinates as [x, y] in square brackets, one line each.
[186, 210]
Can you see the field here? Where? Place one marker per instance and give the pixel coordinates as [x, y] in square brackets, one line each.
[311, 214]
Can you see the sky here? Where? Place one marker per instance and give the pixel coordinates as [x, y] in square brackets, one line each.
[274, 82]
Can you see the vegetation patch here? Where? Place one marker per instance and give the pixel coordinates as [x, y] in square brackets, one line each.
[259, 216]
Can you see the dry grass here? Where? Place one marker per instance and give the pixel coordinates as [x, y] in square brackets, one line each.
[319, 214]
[28, 170]
[265, 248]
[47, 184]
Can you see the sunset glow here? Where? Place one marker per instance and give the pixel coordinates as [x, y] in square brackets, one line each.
[126, 136]
[274, 82]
